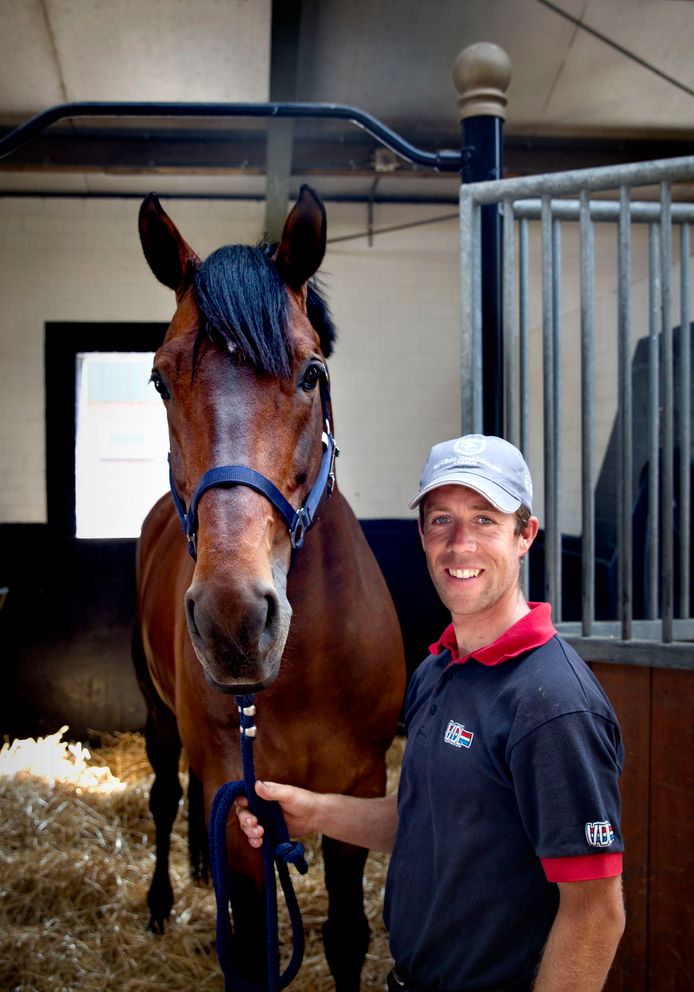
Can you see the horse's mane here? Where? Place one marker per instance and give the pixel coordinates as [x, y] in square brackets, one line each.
[243, 302]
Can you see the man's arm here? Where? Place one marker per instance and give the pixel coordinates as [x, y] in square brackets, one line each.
[584, 937]
[369, 823]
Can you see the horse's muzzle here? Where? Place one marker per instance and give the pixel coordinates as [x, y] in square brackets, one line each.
[238, 639]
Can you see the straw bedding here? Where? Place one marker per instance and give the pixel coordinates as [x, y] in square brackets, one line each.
[76, 858]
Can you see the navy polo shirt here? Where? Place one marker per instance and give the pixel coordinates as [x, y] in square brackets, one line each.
[509, 784]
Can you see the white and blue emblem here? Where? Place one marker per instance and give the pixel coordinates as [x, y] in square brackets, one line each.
[457, 735]
[599, 833]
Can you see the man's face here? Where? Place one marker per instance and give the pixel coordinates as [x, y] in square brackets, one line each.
[472, 551]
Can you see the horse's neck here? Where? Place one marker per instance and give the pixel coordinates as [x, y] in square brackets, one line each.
[338, 527]
[335, 552]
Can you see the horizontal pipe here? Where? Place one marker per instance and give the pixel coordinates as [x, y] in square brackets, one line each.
[441, 161]
[605, 178]
[606, 210]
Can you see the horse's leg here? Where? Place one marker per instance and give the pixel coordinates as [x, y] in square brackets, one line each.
[346, 931]
[163, 745]
[198, 847]
[163, 750]
[248, 913]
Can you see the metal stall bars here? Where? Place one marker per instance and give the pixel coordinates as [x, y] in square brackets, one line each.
[581, 202]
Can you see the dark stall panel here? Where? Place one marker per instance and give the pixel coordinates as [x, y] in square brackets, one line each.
[629, 690]
[671, 908]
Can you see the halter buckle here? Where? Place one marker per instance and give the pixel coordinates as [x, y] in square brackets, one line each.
[300, 525]
[330, 484]
[192, 538]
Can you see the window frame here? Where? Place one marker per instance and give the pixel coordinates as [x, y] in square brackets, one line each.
[63, 342]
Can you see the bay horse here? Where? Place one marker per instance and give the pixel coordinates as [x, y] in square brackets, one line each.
[242, 373]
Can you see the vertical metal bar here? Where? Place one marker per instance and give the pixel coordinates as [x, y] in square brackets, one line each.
[477, 326]
[509, 321]
[666, 391]
[654, 321]
[523, 336]
[523, 348]
[548, 395]
[587, 256]
[625, 469]
[558, 384]
[685, 412]
[471, 327]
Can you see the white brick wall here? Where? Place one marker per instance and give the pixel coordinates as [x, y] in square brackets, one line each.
[395, 370]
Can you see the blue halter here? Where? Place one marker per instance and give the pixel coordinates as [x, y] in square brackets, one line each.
[297, 521]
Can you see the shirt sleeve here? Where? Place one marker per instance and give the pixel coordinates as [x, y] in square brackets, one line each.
[566, 779]
[583, 868]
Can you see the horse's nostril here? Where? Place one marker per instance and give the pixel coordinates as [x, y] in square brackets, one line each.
[190, 613]
[271, 613]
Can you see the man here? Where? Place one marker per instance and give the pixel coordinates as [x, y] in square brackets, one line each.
[506, 860]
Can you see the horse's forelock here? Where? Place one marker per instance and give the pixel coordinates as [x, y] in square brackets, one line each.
[243, 303]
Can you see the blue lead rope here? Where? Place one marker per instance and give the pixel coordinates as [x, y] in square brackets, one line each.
[277, 850]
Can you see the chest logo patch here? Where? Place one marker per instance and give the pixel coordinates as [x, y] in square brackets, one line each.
[599, 833]
[457, 735]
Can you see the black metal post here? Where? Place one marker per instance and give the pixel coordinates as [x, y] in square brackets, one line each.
[482, 73]
[482, 137]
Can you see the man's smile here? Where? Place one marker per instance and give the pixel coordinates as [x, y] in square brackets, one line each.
[464, 573]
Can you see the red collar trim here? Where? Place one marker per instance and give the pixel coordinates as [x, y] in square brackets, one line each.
[531, 631]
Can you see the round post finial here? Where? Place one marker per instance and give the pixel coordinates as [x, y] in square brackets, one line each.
[482, 73]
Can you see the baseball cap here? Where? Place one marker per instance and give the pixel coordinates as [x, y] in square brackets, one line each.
[489, 465]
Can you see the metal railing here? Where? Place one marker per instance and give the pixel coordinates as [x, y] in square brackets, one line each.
[546, 207]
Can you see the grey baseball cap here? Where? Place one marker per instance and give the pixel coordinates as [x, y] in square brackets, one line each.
[489, 465]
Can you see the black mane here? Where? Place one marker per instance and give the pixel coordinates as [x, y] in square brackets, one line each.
[244, 304]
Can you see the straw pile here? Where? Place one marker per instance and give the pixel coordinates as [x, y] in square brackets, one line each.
[76, 858]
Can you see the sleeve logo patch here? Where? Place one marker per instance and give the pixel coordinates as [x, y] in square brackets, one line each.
[599, 833]
[457, 735]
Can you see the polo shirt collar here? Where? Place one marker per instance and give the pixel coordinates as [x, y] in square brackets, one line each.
[531, 631]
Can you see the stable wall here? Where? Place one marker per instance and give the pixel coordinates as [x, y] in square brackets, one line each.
[396, 304]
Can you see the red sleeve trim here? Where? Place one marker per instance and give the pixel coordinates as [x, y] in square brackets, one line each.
[582, 868]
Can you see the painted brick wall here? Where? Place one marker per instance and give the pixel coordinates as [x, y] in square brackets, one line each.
[396, 304]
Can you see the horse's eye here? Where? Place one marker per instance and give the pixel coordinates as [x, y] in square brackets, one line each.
[311, 377]
[159, 385]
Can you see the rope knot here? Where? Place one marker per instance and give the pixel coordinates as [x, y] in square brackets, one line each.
[293, 853]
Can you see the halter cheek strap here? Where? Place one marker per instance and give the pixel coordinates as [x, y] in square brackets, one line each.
[297, 521]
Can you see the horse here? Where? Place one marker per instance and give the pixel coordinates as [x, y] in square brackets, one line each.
[242, 373]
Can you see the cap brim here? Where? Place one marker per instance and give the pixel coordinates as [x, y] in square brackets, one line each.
[496, 495]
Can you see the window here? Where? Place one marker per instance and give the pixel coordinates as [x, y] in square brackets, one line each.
[105, 456]
[120, 446]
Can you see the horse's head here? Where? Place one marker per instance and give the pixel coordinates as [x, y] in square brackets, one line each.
[242, 374]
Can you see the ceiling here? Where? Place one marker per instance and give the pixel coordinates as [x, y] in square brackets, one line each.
[593, 82]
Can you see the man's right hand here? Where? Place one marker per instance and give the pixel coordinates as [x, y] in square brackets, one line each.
[298, 809]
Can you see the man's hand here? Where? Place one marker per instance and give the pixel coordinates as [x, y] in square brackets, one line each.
[298, 808]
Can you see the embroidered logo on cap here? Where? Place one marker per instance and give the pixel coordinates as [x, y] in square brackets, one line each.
[599, 833]
[470, 445]
[457, 735]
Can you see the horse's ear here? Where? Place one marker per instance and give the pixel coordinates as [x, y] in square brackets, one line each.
[302, 245]
[171, 260]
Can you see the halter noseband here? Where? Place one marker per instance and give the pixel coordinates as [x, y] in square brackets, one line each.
[297, 521]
